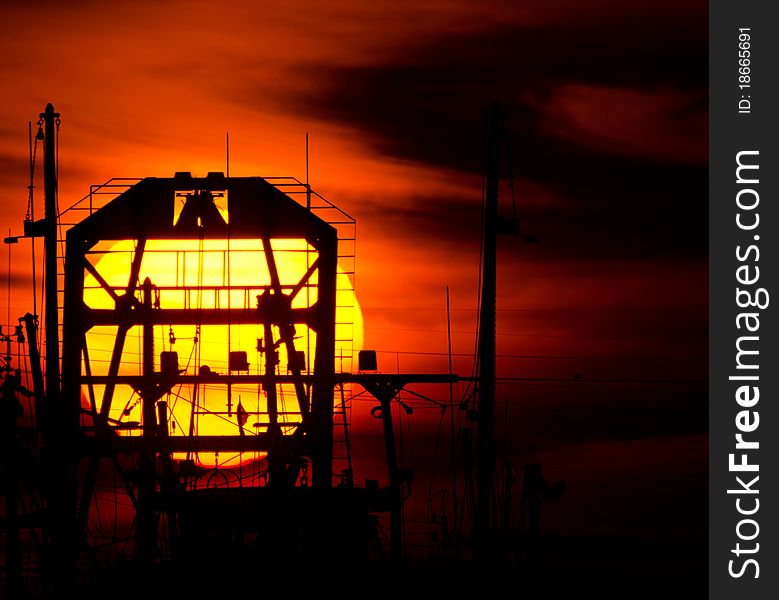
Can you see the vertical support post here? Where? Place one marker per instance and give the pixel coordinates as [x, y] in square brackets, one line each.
[485, 449]
[35, 362]
[347, 440]
[74, 341]
[168, 480]
[50, 246]
[277, 472]
[147, 526]
[396, 525]
[57, 424]
[324, 365]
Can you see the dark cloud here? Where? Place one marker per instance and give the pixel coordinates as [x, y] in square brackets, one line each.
[20, 282]
[14, 172]
[541, 417]
[628, 219]
[426, 103]
[625, 190]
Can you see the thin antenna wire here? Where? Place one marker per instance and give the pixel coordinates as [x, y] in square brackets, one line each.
[308, 287]
[32, 216]
[308, 186]
[9, 282]
[229, 290]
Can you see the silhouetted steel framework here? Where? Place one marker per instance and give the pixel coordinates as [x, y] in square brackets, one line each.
[80, 426]
[323, 516]
[257, 211]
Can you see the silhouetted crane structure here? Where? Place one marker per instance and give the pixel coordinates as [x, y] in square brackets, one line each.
[107, 426]
[104, 470]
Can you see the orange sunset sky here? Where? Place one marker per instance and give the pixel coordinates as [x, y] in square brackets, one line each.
[606, 103]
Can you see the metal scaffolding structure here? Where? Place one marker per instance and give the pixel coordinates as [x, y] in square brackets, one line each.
[201, 410]
[206, 331]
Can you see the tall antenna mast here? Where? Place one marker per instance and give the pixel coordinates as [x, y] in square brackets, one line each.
[50, 246]
[485, 449]
[56, 423]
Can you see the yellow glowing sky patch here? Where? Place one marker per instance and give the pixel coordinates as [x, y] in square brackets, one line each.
[192, 274]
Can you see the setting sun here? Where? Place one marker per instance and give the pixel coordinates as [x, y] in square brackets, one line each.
[214, 274]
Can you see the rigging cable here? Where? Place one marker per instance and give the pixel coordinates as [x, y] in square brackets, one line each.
[30, 216]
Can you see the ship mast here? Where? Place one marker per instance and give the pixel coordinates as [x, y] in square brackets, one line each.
[50, 246]
[58, 443]
[485, 449]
